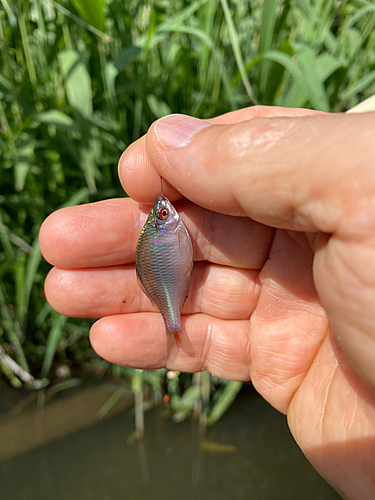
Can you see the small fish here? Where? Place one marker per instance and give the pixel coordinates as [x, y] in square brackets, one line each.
[163, 261]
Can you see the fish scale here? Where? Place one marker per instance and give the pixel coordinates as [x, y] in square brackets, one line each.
[164, 260]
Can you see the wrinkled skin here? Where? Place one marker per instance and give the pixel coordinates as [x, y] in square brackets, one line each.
[281, 212]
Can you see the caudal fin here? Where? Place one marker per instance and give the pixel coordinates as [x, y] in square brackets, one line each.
[178, 340]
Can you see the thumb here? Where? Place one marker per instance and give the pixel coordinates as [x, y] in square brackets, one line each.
[300, 173]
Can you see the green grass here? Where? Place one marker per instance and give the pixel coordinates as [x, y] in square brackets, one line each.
[79, 84]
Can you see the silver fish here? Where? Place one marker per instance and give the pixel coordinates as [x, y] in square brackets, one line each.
[164, 260]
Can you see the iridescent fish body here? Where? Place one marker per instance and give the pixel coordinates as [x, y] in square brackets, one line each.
[164, 260]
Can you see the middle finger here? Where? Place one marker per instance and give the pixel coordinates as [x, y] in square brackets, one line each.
[223, 292]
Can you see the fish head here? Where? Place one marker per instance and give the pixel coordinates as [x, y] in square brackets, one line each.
[164, 214]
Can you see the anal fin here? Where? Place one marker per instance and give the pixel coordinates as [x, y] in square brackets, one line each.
[178, 340]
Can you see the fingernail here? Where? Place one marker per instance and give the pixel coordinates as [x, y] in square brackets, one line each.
[176, 131]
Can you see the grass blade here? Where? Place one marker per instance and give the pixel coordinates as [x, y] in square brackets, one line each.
[19, 279]
[216, 55]
[225, 400]
[110, 403]
[77, 198]
[25, 156]
[364, 33]
[54, 337]
[27, 50]
[362, 12]
[158, 107]
[265, 39]
[31, 270]
[358, 87]
[114, 67]
[237, 52]
[4, 238]
[314, 89]
[13, 329]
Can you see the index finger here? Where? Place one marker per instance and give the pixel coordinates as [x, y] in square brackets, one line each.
[106, 234]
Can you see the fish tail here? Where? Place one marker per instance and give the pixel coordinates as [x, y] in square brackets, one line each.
[178, 339]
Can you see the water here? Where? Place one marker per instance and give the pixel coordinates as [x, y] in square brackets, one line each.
[255, 456]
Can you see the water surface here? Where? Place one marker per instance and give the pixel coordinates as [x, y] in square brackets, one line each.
[255, 458]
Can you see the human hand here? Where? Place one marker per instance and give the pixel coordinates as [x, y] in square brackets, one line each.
[284, 275]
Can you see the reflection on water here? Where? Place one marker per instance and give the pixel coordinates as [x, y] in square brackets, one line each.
[248, 454]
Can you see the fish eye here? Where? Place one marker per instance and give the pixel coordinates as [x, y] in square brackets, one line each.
[163, 213]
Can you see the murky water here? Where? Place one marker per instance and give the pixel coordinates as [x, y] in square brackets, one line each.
[248, 454]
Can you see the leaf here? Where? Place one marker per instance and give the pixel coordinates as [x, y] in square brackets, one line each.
[21, 169]
[113, 68]
[127, 56]
[308, 64]
[110, 72]
[305, 6]
[225, 400]
[104, 123]
[359, 86]
[158, 107]
[89, 156]
[57, 118]
[76, 198]
[326, 65]
[213, 447]
[23, 162]
[189, 397]
[92, 11]
[313, 88]
[276, 75]
[77, 81]
[5, 85]
[363, 34]
[298, 95]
